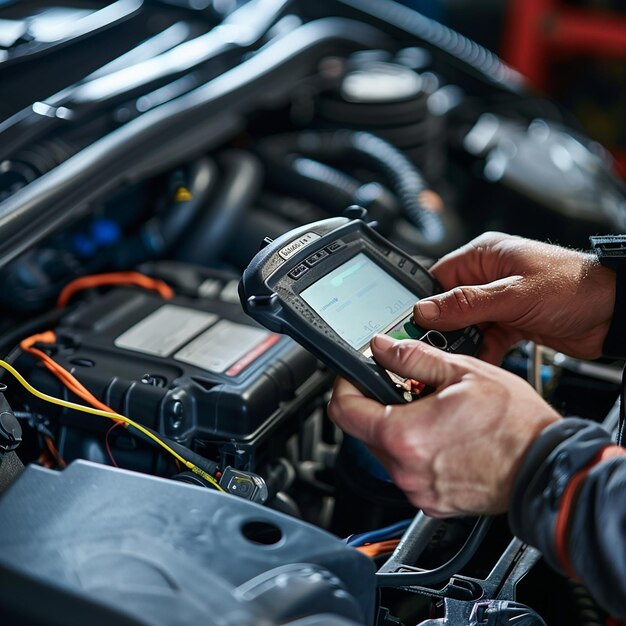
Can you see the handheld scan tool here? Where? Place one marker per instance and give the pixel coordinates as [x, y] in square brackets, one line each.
[333, 285]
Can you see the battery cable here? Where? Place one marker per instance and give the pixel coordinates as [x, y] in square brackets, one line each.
[116, 417]
[135, 279]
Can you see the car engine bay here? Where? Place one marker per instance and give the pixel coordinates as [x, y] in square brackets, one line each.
[141, 167]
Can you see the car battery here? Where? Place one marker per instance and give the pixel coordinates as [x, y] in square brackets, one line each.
[195, 368]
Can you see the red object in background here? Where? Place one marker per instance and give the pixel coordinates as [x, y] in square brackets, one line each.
[539, 32]
[620, 162]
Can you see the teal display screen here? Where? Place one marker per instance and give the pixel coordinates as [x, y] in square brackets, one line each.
[358, 300]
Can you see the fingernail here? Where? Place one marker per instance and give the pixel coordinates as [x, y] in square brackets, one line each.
[429, 310]
[383, 342]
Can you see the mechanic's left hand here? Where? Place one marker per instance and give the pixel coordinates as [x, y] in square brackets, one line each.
[458, 450]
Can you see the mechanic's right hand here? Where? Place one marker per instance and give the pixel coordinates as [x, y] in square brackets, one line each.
[517, 289]
[458, 450]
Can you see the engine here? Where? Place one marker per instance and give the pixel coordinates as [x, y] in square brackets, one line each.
[136, 184]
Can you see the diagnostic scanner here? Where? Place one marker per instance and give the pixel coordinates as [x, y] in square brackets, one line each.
[334, 284]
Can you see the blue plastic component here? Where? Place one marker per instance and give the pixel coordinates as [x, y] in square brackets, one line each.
[84, 246]
[105, 232]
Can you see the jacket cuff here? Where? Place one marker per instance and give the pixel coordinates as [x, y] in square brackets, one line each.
[560, 451]
[614, 345]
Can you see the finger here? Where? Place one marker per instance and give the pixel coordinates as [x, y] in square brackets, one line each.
[415, 359]
[437, 513]
[343, 387]
[357, 415]
[459, 267]
[471, 264]
[470, 304]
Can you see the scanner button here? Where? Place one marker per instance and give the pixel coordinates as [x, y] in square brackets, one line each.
[297, 271]
[413, 269]
[401, 263]
[316, 258]
[335, 245]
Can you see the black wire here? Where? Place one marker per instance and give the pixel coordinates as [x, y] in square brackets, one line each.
[443, 572]
[36, 421]
[210, 467]
[42, 322]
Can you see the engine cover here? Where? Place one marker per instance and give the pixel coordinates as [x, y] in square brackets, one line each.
[145, 550]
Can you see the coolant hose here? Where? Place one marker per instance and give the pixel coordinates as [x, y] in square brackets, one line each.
[213, 230]
[325, 186]
[182, 214]
[448, 45]
[162, 234]
[437, 229]
[334, 190]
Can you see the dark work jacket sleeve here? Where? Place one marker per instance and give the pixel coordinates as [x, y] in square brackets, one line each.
[593, 546]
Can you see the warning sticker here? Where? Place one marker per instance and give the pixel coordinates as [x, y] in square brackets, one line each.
[165, 330]
[226, 347]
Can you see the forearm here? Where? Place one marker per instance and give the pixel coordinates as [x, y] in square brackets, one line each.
[568, 501]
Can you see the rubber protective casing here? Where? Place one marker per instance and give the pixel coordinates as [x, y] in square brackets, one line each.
[237, 414]
[270, 294]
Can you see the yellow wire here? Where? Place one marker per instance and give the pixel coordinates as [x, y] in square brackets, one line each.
[109, 415]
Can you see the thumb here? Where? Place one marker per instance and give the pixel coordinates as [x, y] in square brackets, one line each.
[415, 359]
[474, 304]
[355, 414]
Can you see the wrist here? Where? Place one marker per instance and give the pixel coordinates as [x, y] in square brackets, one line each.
[532, 431]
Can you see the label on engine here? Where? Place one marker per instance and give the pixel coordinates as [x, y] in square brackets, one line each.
[227, 347]
[165, 330]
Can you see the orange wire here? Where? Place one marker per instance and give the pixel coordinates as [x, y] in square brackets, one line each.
[87, 282]
[49, 337]
[113, 278]
[72, 383]
[55, 453]
[44, 460]
[377, 549]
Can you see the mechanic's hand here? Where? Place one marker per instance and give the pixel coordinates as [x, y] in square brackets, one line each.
[458, 450]
[528, 290]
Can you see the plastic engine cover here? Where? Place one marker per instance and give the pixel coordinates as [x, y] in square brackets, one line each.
[107, 546]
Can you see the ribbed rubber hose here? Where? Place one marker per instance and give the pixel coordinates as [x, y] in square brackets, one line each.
[322, 184]
[468, 56]
[437, 230]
